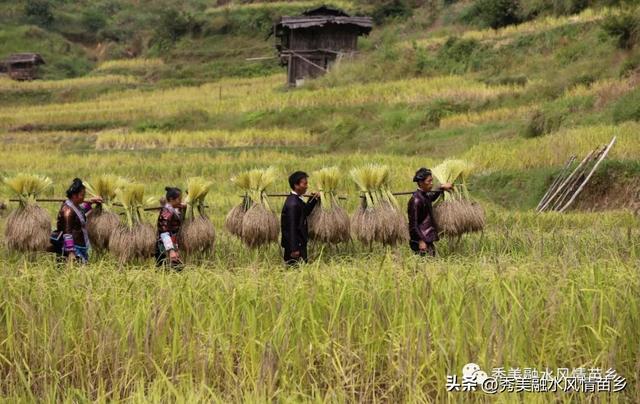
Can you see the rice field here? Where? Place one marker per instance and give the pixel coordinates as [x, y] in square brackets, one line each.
[262, 94]
[122, 140]
[131, 65]
[7, 84]
[538, 25]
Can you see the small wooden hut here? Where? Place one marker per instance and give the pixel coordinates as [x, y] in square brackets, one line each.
[310, 43]
[22, 66]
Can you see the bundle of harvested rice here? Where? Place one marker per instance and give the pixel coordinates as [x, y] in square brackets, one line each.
[102, 221]
[379, 217]
[197, 234]
[133, 239]
[457, 213]
[328, 222]
[29, 226]
[253, 220]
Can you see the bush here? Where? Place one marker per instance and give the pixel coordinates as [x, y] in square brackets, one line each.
[493, 13]
[459, 55]
[541, 124]
[173, 25]
[441, 108]
[519, 80]
[627, 108]
[394, 9]
[93, 21]
[38, 12]
[624, 28]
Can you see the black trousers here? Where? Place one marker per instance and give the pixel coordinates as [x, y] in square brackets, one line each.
[291, 261]
[430, 251]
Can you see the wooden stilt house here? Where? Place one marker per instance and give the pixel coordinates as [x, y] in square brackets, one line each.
[22, 66]
[310, 43]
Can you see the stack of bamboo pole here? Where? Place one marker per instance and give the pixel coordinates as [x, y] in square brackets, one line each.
[566, 187]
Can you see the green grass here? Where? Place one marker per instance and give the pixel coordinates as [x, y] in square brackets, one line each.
[63, 58]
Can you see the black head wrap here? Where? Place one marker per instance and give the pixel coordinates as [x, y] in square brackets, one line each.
[76, 187]
[172, 193]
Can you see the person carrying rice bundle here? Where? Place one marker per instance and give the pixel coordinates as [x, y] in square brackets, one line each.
[169, 225]
[423, 230]
[72, 238]
[293, 221]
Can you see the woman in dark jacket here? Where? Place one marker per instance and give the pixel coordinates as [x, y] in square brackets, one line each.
[423, 230]
[169, 224]
[71, 224]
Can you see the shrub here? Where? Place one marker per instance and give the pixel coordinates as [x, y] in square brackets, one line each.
[173, 25]
[518, 80]
[493, 13]
[627, 108]
[537, 125]
[38, 12]
[93, 21]
[458, 55]
[442, 108]
[394, 9]
[624, 28]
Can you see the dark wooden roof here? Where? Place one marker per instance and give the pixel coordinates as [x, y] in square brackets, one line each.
[325, 16]
[27, 57]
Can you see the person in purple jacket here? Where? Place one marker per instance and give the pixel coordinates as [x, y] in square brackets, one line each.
[72, 223]
[423, 230]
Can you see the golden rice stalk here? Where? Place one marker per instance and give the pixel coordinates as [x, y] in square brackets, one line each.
[233, 221]
[379, 218]
[27, 187]
[197, 234]
[457, 214]
[102, 222]
[100, 225]
[457, 217]
[197, 190]
[130, 244]
[105, 186]
[329, 225]
[28, 229]
[328, 222]
[133, 239]
[259, 226]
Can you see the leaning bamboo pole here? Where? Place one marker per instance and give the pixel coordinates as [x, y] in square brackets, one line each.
[593, 170]
[553, 196]
[559, 178]
[573, 184]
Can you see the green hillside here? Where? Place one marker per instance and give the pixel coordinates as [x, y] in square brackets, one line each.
[559, 66]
